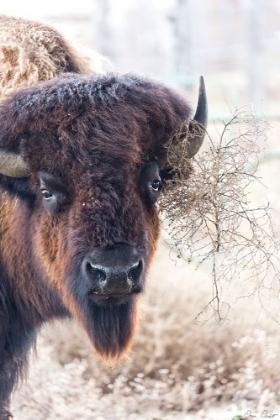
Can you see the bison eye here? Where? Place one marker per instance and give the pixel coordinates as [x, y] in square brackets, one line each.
[54, 195]
[51, 201]
[155, 185]
[46, 193]
[150, 182]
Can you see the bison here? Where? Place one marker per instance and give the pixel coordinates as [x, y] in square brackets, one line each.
[83, 160]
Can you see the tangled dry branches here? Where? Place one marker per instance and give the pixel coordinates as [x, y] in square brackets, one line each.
[210, 216]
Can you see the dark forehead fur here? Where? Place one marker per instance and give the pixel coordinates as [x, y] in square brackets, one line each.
[123, 116]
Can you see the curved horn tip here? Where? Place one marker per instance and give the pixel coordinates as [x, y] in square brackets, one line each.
[201, 81]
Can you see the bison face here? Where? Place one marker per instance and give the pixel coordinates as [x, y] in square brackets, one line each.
[85, 157]
[94, 241]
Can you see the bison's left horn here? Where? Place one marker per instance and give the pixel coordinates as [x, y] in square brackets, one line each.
[11, 164]
[196, 133]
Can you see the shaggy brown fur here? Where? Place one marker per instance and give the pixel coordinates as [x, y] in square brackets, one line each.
[31, 52]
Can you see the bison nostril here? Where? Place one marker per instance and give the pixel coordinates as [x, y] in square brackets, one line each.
[135, 271]
[96, 273]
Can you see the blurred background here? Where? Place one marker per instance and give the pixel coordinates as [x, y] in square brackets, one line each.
[178, 366]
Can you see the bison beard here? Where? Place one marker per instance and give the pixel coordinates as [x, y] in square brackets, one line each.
[108, 321]
[110, 327]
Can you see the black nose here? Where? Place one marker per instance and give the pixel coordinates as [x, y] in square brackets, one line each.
[117, 270]
[114, 280]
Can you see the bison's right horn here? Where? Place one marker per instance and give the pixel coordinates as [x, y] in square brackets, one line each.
[11, 164]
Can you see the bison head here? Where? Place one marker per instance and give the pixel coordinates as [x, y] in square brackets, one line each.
[85, 160]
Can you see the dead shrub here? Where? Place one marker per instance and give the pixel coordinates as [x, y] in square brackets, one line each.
[211, 217]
